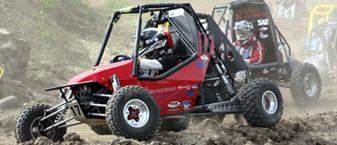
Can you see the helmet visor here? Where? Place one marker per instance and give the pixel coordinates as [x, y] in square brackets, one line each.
[242, 34]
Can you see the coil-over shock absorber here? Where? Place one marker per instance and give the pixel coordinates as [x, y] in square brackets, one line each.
[222, 70]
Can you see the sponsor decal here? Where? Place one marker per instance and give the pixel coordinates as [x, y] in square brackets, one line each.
[174, 109]
[170, 89]
[204, 57]
[173, 104]
[159, 90]
[179, 93]
[152, 40]
[190, 93]
[176, 12]
[163, 95]
[272, 69]
[249, 13]
[262, 22]
[265, 71]
[201, 64]
[152, 91]
[263, 29]
[184, 87]
[186, 104]
[195, 86]
[263, 36]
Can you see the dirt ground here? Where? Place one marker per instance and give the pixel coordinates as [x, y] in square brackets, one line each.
[311, 125]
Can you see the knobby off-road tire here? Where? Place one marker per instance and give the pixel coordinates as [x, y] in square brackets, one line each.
[133, 112]
[261, 102]
[305, 84]
[28, 125]
[101, 129]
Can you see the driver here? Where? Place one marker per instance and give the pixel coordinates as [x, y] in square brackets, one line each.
[156, 52]
[251, 50]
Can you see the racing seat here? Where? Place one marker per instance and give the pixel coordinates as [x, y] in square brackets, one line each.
[170, 45]
[169, 41]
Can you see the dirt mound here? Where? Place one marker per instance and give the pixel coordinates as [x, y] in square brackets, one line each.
[316, 129]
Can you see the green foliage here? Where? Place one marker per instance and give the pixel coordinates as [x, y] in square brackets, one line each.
[46, 35]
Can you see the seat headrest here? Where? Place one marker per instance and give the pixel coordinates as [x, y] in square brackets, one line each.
[169, 42]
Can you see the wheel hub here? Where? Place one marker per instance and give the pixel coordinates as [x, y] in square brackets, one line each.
[136, 113]
[133, 114]
[307, 85]
[36, 128]
[310, 84]
[269, 102]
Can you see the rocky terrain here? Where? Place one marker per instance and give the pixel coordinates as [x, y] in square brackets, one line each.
[44, 43]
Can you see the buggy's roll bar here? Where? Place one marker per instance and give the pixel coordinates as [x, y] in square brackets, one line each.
[159, 5]
[114, 19]
[135, 9]
[142, 9]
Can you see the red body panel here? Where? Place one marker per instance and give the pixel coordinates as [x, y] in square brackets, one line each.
[102, 74]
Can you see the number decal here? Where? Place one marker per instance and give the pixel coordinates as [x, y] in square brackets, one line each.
[289, 13]
[76, 111]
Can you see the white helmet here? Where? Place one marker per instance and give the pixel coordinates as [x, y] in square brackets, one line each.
[244, 31]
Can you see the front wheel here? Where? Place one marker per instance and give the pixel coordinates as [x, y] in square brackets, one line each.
[133, 112]
[261, 102]
[305, 84]
[28, 125]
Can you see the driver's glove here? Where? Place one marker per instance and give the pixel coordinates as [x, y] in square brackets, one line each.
[123, 58]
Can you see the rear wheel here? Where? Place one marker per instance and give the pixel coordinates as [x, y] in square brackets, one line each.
[261, 102]
[305, 84]
[29, 126]
[133, 112]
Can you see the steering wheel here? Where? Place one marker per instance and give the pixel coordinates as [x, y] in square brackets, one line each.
[116, 58]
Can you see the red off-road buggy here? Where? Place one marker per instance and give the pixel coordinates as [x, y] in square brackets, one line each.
[303, 79]
[115, 98]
